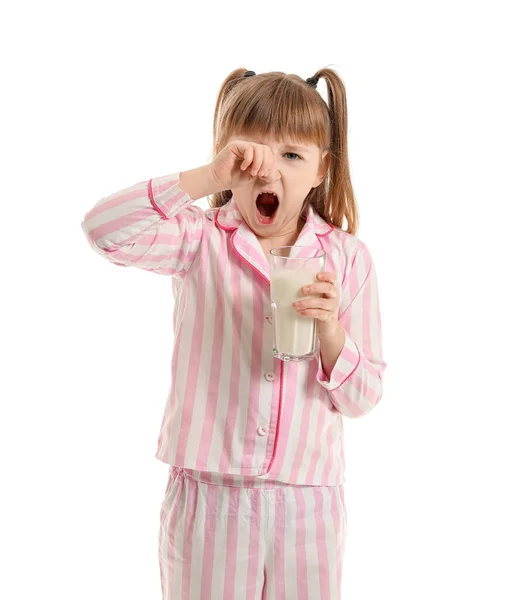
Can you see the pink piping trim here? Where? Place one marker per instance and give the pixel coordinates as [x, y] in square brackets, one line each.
[279, 419]
[357, 364]
[153, 202]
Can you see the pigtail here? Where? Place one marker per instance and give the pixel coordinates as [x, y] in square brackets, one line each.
[334, 197]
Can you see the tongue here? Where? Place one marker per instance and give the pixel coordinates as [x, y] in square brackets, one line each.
[267, 204]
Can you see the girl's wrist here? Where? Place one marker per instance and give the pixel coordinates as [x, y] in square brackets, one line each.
[198, 182]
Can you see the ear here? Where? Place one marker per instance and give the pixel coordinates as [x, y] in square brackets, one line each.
[323, 168]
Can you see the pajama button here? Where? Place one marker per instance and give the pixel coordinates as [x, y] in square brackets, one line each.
[269, 376]
[262, 430]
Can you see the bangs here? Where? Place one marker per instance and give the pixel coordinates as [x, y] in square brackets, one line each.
[285, 109]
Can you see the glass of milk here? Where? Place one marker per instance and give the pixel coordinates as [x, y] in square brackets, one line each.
[292, 267]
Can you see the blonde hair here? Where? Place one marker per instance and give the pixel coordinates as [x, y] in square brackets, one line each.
[284, 105]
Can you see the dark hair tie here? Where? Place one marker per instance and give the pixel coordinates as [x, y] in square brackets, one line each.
[312, 81]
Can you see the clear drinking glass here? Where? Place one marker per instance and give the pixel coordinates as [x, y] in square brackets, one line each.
[292, 267]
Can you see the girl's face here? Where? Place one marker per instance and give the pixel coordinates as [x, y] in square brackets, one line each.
[296, 171]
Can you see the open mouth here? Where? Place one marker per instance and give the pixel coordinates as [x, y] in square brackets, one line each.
[266, 208]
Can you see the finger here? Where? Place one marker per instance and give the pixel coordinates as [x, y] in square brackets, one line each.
[326, 276]
[327, 290]
[258, 159]
[317, 313]
[318, 288]
[314, 303]
[268, 162]
[247, 158]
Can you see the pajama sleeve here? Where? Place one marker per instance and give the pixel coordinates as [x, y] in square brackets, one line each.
[150, 225]
[355, 384]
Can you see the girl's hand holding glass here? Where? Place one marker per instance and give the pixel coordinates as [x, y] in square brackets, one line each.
[324, 308]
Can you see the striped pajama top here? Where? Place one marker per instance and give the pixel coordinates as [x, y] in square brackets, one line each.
[234, 410]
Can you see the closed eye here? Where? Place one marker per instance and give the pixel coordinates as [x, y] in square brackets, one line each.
[294, 155]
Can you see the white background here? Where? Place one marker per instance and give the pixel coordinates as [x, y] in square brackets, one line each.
[98, 96]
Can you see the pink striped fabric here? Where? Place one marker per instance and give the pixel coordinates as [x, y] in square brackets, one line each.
[233, 409]
[242, 543]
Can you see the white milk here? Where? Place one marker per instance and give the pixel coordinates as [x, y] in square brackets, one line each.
[293, 333]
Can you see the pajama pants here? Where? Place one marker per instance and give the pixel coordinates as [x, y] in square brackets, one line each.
[252, 540]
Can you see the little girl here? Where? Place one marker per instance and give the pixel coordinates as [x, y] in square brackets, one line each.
[254, 506]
